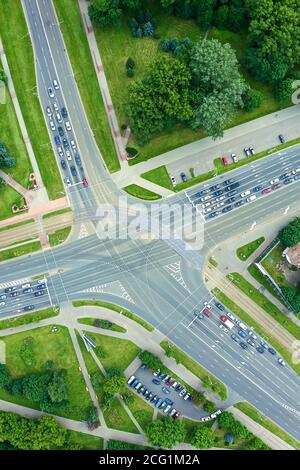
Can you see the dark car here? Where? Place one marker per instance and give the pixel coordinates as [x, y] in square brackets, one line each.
[228, 182]
[215, 187]
[240, 203]
[232, 193]
[41, 286]
[9, 289]
[243, 345]
[201, 193]
[156, 381]
[218, 193]
[148, 398]
[65, 143]
[64, 112]
[257, 188]
[38, 293]
[166, 390]
[78, 159]
[235, 338]
[232, 186]
[231, 199]
[28, 291]
[281, 138]
[276, 186]
[57, 139]
[242, 334]
[60, 131]
[260, 349]
[73, 170]
[183, 177]
[272, 351]
[227, 209]
[251, 342]
[63, 164]
[169, 401]
[28, 308]
[220, 306]
[288, 181]
[14, 294]
[213, 214]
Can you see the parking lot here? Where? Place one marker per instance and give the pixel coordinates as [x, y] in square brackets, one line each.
[185, 407]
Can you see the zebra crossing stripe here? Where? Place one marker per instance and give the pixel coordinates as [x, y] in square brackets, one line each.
[13, 283]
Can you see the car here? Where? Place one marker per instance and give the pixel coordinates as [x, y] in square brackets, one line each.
[264, 345]
[146, 393]
[214, 187]
[58, 118]
[246, 193]
[242, 333]
[167, 409]
[9, 289]
[57, 139]
[68, 181]
[143, 366]
[156, 373]
[158, 403]
[68, 155]
[170, 381]
[85, 182]
[60, 131]
[162, 405]
[153, 398]
[207, 210]
[48, 111]
[232, 317]
[166, 390]
[251, 342]
[176, 415]
[166, 378]
[235, 338]
[51, 92]
[288, 181]
[3, 297]
[38, 293]
[218, 193]
[63, 164]
[285, 175]
[266, 190]
[295, 171]
[138, 386]
[243, 345]
[52, 125]
[227, 182]
[274, 181]
[68, 126]
[55, 84]
[14, 294]
[156, 381]
[43, 280]
[205, 198]
[28, 308]
[247, 151]
[272, 351]
[234, 158]
[65, 143]
[142, 389]
[64, 112]
[276, 186]
[207, 312]
[42, 286]
[251, 198]
[162, 376]
[260, 349]
[201, 193]
[206, 304]
[225, 161]
[186, 396]
[77, 159]
[230, 200]
[281, 361]
[182, 392]
[252, 334]
[213, 214]
[223, 327]
[73, 145]
[60, 151]
[183, 177]
[55, 106]
[232, 193]
[296, 177]
[2, 303]
[179, 388]
[227, 209]
[174, 385]
[172, 412]
[281, 138]
[28, 290]
[148, 397]
[257, 188]
[239, 203]
[252, 151]
[131, 379]
[206, 204]
[220, 306]
[221, 198]
[232, 186]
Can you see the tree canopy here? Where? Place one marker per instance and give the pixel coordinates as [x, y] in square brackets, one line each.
[165, 432]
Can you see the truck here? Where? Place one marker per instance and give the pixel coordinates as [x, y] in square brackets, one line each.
[226, 321]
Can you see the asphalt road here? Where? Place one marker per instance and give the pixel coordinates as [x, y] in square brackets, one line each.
[149, 277]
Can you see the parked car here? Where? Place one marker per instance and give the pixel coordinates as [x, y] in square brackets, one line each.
[68, 181]
[131, 379]
[247, 151]
[85, 182]
[252, 334]
[41, 286]
[156, 373]
[182, 392]
[272, 351]
[183, 177]
[63, 164]
[169, 401]
[242, 333]
[198, 314]
[28, 308]
[234, 158]
[225, 161]
[281, 361]
[29, 290]
[52, 125]
[68, 155]
[77, 159]
[39, 293]
[68, 126]
[58, 118]
[156, 381]
[281, 138]
[73, 145]
[166, 390]
[251, 342]
[65, 143]
[57, 139]
[173, 179]
[260, 349]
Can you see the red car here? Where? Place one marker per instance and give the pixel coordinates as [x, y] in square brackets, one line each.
[85, 183]
[176, 415]
[223, 318]
[276, 186]
[266, 190]
[225, 161]
[207, 312]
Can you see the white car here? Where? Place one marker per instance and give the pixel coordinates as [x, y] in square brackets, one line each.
[68, 181]
[42, 281]
[183, 392]
[295, 171]
[281, 361]
[186, 396]
[173, 179]
[60, 151]
[206, 304]
[205, 198]
[58, 117]
[2, 303]
[68, 126]
[252, 334]
[68, 155]
[206, 204]
[220, 198]
[274, 181]
[246, 193]
[51, 92]
[73, 145]
[26, 286]
[220, 204]
[222, 327]
[251, 198]
[55, 106]
[55, 84]
[234, 158]
[156, 373]
[48, 111]
[167, 409]
[207, 210]
[52, 125]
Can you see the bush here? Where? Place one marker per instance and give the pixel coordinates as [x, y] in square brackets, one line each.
[130, 73]
[132, 151]
[130, 63]
[165, 45]
[284, 89]
[252, 99]
[209, 406]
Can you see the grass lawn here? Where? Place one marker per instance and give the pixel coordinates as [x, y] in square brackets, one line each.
[272, 264]
[59, 236]
[245, 251]
[119, 352]
[85, 75]
[115, 308]
[60, 211]
[29, 318]
[91, 322]
[141, 410]
[85, 441]
[57, 347]
[11, 136]
[264, 303]
[266, 423]
[8, 227]
[256, 274]
[8, 197]
[249, 321]
[141, 193]
[182, 358]
[219, 435]
[18, 48]
[20, 250]
[159, 176]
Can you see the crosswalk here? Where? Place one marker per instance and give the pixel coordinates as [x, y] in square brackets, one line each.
[174, 270]
[82, 232]
[4, 285]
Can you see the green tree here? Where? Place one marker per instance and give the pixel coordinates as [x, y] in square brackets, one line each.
[48, 434]
[203, 438]
[105, 12]
[290, 235]
[165, 432]
[130, 63]
[3, 77]
[209, 406]
[4, 376]
[2, 183]
[58, 388]
[115, 384]
[284, 89]
[151, 361]
[292, 295]
[252, 99]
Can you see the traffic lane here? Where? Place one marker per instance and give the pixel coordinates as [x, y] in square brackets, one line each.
[232, 377]
[185, 407]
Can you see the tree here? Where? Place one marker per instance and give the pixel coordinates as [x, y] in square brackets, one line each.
[115, 384]
[203, 438]
[148, 29]
[284, 89]
[130, 63]
[204, 11]
[226, 420]
[3, 77]
[48, 434]
[290, 235]
[256, 444]
[4, 376]
[252, 99]
[105, 12]
[269, 67]
[165, 45]
[35, 386]
[151, 361]
[131, 4]
[165, 433]
[221, 16]
[292, 295]
[58, 387]
[209, 406]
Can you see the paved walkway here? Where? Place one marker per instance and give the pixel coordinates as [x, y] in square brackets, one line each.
[108, 104]
[28, 195]
[41, 192]
[266, 436]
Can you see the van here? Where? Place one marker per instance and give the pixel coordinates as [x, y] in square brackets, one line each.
[131, 379]
[251, 198]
